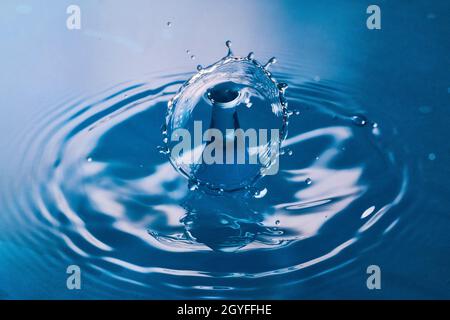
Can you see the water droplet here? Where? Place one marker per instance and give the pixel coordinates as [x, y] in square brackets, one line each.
[374, 125]
[308, 181]
[277, 222]
[165, 139]
[199, 67]
[192, 57]
[432, 156]
[89, 159]
[290, 153]
[188, 51]
[317, 78]
[296, 112]
[169, 24]
[271, 61]
[360, 121]
[228, 44]
[251, 56]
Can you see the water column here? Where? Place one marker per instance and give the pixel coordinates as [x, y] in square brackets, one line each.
[224, 99]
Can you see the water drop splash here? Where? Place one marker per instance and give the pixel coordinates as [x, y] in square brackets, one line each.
[234, 95]
[129, 196]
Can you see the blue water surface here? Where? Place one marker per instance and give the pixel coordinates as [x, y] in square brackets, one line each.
[363, 171]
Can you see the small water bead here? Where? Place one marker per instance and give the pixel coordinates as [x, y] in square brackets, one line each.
[359, 120]
[165, 139]
[199, 67]
[193, 57]
[89, 159]
[251, 56]
[308, 181]
[228, 44]
[277, 222]
[271, 61]
[317, 78]
[290, 153]
[188, 51]
[432, 157]
[169, 24]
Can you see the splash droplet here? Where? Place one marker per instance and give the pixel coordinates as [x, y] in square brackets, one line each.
[359, 120]
[308, 181]
[271, 61]
[432, 157]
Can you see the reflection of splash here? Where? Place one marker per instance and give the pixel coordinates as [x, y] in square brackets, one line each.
[222, 222]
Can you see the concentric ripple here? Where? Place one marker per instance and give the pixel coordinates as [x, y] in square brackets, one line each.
[90, 188]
